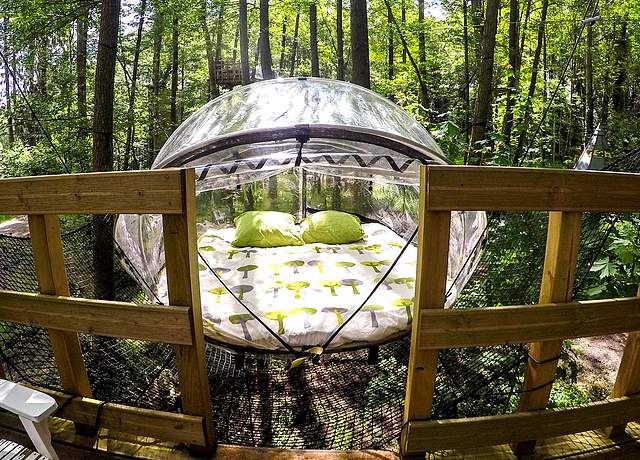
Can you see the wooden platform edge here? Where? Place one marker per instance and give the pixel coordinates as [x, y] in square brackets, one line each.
[429, 436]
[128, 419]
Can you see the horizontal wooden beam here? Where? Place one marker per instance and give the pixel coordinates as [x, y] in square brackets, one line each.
[98, 317]
[457, 328]
[132, 192]
[470, 188]
[127, 419]
[523, 426]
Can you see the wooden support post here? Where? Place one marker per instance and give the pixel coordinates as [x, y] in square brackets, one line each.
[558, 278]
[48, 260]
[184, 289]
[628, 378]
[431, 281]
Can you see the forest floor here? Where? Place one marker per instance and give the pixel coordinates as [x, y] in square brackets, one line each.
[598, 360]
[15, 227]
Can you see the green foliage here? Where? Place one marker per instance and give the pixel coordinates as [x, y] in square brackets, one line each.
[617, 272]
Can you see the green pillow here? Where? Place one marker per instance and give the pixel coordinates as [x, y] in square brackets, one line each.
[331, 227]
[266, 229]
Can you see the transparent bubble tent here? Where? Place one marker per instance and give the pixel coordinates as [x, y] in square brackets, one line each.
[301, 145]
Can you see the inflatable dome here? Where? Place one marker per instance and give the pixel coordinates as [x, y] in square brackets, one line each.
[302, 145]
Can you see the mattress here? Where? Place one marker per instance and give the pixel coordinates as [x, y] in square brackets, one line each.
[302, 293]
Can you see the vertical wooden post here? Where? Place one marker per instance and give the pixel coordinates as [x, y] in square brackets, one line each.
[628, 378]
[184, 289]
[558, 278]
[48, 260]
[431, 281]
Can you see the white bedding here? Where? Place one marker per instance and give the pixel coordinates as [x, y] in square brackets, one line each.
[303, 292]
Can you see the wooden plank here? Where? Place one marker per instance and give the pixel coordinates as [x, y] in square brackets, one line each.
[519, 324]
[558, 278]
[52, 279]
[523, 426]
[628, 377]
[183, 284]
[472, 188]
[133, 192]
[127, 419]
[431, 280]
[98, 317]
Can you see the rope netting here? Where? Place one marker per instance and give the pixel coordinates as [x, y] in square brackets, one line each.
[345, 401]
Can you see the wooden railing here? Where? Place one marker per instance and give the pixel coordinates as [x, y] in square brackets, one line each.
[167, 192]
[566, 194]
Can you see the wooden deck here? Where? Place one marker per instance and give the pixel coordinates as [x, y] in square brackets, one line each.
[590, 445]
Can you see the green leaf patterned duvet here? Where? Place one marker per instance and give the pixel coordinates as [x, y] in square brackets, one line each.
[303, 292]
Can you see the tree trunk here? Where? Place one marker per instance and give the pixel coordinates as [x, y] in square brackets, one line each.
[243, 30]
[7, 85]
[219, 30]
[467, 83]
[103, 140]
[313, 39]
[485, 77]
[158, 28]
[476, 20]
[622, 54]
[403, 19]
[589, 82]
[390, 50]
[340, 41]
[266, 62]
[512, 81]
[42, 66]
[294, 46]
[174, 72]
[283, 46]
[235, 44]
[82, 27]
[132, 92]
[532, 84]
[211, 58]
[360, 73]
[422, 50]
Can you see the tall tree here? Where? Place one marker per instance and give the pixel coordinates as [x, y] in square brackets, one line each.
[208, 44]
[7, 84]
[467, 83]
[339, 41]
[422, 49]
[243, 32]
[313, 39]
[535, 68]
[219, 30]
[390, 50]
[588, 73]
[283, 46]
[360, 71]
[82, 28]
[621, 59]
[132, 89]
[294, 46]
[485, 77]
[174, 71]
[157, 31]
[512, 81]
[266, 62]
[103, 139]
[403, 19]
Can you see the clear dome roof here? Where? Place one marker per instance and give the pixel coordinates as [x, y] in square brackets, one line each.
[258, 130]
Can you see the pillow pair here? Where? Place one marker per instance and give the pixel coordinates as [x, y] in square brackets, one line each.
[270, 229]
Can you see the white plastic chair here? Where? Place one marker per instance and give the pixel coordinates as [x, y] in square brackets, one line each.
[33, 408]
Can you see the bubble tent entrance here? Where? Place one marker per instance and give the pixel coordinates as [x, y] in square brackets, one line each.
[349, 399]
